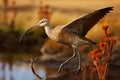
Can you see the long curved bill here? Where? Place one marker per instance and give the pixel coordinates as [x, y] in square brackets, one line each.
[26, 32]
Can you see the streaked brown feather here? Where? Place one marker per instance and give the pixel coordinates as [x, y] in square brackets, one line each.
[82, 25]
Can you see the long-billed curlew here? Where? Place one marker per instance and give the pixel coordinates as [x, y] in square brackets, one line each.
[73, 33]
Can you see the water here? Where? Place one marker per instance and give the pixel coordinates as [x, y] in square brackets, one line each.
[17, 67]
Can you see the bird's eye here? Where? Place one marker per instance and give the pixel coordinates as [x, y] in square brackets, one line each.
[42, 21]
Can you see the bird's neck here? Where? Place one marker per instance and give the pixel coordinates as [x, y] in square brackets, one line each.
[48, 30]
[51, 33]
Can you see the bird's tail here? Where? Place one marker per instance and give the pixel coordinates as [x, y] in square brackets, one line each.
[90, 41]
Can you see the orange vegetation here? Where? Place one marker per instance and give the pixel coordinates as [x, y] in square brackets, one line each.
[101, 56]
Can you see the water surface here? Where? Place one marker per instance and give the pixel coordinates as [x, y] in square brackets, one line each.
[17, 67]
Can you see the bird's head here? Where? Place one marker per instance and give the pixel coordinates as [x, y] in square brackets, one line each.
[41, 23]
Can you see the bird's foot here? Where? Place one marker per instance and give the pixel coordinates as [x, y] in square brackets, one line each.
[78, 70]
[60, 68]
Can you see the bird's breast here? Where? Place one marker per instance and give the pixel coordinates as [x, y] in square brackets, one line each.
[54, 35]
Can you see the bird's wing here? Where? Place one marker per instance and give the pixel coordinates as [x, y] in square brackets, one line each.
[82, 25]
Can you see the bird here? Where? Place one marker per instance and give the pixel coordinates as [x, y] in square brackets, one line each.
[73, 33]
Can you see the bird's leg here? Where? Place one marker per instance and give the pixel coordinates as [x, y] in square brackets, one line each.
[74, 54]
[79, 61]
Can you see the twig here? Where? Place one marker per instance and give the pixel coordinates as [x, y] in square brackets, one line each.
[32, 62]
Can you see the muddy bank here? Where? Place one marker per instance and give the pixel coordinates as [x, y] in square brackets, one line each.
[9, 42]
